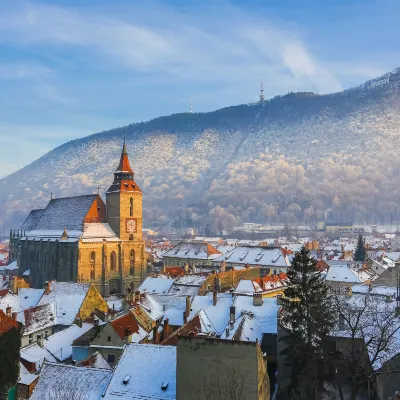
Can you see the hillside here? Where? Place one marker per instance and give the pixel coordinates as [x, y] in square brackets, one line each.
[296, 157]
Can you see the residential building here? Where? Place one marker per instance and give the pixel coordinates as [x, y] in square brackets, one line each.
[193, 254]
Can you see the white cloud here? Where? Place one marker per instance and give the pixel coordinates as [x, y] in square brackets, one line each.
[211, 47]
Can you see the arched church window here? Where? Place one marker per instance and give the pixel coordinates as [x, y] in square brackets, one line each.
[132, 262]
[92, 260]
[131, 207]
[130, 237]
[113, 261]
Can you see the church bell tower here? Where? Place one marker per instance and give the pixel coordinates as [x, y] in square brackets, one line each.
[124, 202]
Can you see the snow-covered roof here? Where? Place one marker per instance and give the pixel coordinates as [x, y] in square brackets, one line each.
[246, 286]
[342, 273]
[374, 290]
[37, 318]
[266, 314]
[31, 220]
[245, 328]
[68, 381]
[168, 301]
[193, 250]
[261, 256]
[33, 353]
[68, 297]
[156, 285]
[9, 299]
[142, 372]
[68, 212]
[95, 360]
[12, 266]
[218, 314]
[114, 303]
[188, 285]
[151, 306]
[60, 344]
[29, 297]
[25, 377]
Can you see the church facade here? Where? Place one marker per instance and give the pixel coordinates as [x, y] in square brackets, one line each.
[83, 239]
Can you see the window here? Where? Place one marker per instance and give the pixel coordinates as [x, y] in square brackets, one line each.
[111, 358]
[132, 262]
[131, 207]
[92, 260]
[113, 261]
[46, 335]
[130, 237]
[109, 339]
[274, 271]
[30, 341]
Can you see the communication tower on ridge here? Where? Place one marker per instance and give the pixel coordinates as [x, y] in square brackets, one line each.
[191, 106]
[262, 97]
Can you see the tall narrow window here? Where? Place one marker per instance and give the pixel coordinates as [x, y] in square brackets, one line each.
[131, 207]
[113, 261]
[92, 260]
[132, 262]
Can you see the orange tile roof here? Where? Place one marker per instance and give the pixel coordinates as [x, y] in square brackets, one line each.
[6, 323]
[126, 321]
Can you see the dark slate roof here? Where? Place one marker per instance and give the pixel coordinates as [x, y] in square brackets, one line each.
[32, 220]
[68, 212]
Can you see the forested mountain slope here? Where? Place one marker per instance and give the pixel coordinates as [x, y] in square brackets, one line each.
[296, 157]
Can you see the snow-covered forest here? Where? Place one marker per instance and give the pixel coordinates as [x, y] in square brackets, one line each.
[295, 158]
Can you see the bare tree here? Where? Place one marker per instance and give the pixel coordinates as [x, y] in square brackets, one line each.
[370, 327]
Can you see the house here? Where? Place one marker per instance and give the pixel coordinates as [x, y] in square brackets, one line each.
[187, 285]
[173, 307]
[198, 325]
[112, 338]
[144, 372]
[26, 383]
[270, 260]
[62, 381]
[268, 286]
[96, 360]
[216, 373]
[39, 320]
[340, 278]
[192, 254]
[73, 300]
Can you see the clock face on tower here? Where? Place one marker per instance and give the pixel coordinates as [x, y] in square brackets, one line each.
[131, 225]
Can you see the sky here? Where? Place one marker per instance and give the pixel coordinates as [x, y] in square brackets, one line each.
[70, 68]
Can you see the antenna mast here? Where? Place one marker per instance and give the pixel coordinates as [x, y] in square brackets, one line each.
[191, 106]
[262, 97]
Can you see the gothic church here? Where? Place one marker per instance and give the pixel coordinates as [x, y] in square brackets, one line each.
[82, 239]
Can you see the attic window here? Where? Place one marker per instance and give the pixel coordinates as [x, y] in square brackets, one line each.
[164, 386]
[126, 379]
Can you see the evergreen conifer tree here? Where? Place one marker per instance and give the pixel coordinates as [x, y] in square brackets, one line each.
[307, 318]
[359, 254]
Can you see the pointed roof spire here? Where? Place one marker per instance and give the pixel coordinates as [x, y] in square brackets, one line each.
[124, 147]
[124, 165]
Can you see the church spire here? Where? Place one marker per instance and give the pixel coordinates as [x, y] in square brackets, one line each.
[124, 165]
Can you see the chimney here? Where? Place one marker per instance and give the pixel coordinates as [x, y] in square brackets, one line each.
[47, 288]
[156, 337]
[223, 266]
[227, 332]
[232, 313]
[215, 299]
[184, 317]
[8, 312]
[14, 316]
[257, 299]
[166, 328]
[137, 296]
[370, 286]
[96, 325]
[231, 324]
[187, 305]
[217, 283]
[39, 339]
[128, 335]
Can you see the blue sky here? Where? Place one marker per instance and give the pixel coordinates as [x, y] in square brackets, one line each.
[69, 68]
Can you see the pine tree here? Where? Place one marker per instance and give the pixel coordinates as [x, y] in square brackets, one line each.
[359, 254]
[307, 318]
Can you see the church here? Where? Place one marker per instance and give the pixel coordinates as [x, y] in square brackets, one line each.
[81, 239]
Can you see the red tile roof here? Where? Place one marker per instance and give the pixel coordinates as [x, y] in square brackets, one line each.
[126, 321]
[6, 323]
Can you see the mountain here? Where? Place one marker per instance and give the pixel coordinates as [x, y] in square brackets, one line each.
[297, 157]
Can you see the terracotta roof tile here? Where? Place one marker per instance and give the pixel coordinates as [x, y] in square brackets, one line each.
[126, 321]
[6, 323]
